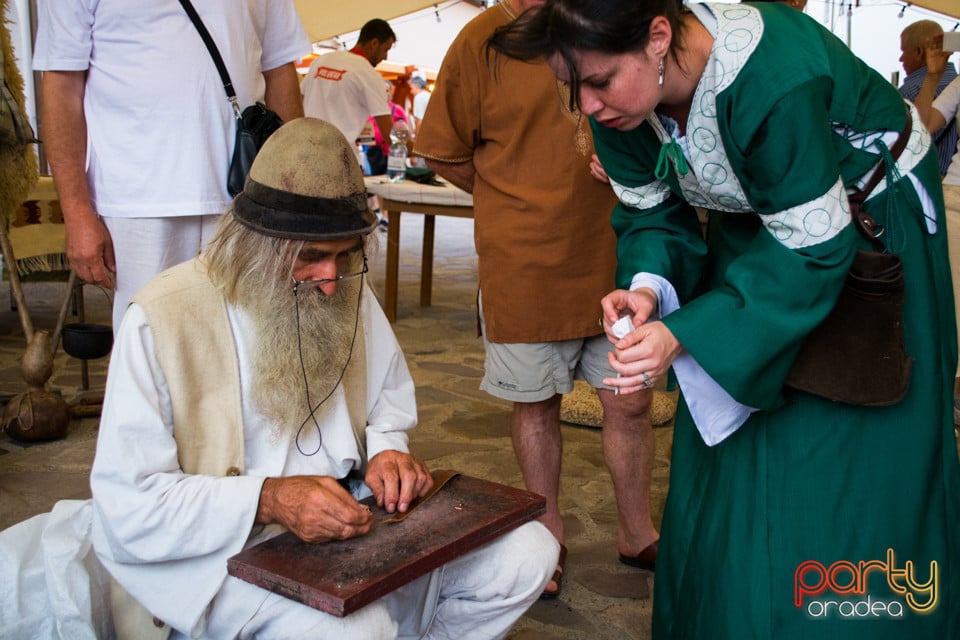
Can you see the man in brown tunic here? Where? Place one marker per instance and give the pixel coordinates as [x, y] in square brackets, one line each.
[546, 256]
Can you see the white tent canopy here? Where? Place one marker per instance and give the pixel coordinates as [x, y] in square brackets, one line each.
[325, 19]
[423, 35]
[946, 7]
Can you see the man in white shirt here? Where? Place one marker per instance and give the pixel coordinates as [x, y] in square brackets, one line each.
[138, 129]
[421, 98]
[344, 88]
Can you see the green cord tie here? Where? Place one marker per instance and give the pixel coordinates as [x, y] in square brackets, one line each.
[670, 150]
[893, 174]
[893, 178]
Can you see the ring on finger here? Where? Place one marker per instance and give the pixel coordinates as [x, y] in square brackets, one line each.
[647, 382]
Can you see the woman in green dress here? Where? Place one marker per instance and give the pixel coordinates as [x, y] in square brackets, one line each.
[788, 516]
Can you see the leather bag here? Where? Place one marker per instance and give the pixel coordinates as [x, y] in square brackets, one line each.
[254, 124]
[857, 355]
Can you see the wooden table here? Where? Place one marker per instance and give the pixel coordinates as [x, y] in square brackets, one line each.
[413, 197]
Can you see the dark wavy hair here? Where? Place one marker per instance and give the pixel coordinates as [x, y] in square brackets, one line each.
[568, 27]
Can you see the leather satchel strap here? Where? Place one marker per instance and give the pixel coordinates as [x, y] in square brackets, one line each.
[214, 53]
[866, 224]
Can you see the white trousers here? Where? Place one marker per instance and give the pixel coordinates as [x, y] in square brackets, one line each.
[478, 596]
[144, 247]
[52, 586]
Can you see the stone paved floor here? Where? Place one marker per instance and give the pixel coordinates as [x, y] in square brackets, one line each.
[460, 427]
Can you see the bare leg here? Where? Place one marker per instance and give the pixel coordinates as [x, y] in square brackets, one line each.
[628, 449]
[539, 448]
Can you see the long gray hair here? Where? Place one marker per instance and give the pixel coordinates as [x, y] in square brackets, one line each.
[238, 255]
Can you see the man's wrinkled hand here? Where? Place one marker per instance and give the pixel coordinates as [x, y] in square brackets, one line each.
[314, 508]
[90, 251]
[396, 479]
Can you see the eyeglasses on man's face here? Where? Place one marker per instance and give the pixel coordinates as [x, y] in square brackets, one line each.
[306, 286]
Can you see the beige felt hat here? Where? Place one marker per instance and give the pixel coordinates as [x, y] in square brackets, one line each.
[306, 184]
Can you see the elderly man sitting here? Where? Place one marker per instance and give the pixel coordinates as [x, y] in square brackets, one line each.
[260, 388]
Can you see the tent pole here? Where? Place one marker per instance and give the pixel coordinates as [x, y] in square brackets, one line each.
[849, 23]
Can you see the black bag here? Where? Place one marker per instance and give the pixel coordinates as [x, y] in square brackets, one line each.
[254, 124]
[377, 160]
[857, 355]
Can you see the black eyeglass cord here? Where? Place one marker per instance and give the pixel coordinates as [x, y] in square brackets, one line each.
[312, 415]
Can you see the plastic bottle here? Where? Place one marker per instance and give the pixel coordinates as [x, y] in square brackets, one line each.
[397, 158]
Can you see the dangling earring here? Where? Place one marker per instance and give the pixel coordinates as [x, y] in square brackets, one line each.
[660, 71]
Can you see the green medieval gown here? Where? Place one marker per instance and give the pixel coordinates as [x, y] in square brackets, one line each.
[799, 523]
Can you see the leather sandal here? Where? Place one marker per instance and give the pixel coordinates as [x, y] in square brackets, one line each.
[646, 559]
[557, 576]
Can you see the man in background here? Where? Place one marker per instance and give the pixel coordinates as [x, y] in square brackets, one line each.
[138, 129]
[344, 88]
[937, 113]
[913, 56]
[421, 98]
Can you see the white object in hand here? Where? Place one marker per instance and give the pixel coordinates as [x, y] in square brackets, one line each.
[620, 328]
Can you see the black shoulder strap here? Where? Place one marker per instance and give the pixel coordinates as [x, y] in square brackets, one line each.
[214, 53]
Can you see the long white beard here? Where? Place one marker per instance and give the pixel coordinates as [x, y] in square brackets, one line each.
[326, 332]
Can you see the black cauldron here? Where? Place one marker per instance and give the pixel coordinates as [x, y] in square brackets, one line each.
[87, 341]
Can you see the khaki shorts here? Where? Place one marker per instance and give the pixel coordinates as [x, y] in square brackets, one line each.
[536, 371]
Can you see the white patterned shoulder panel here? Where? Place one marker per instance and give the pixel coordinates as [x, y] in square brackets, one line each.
[643, 196]
[813, 222]
[711, 183]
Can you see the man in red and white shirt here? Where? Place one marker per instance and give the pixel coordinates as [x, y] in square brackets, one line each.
[344, 88]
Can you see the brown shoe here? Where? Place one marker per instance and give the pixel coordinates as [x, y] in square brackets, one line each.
[557, 577]
[646, 559]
